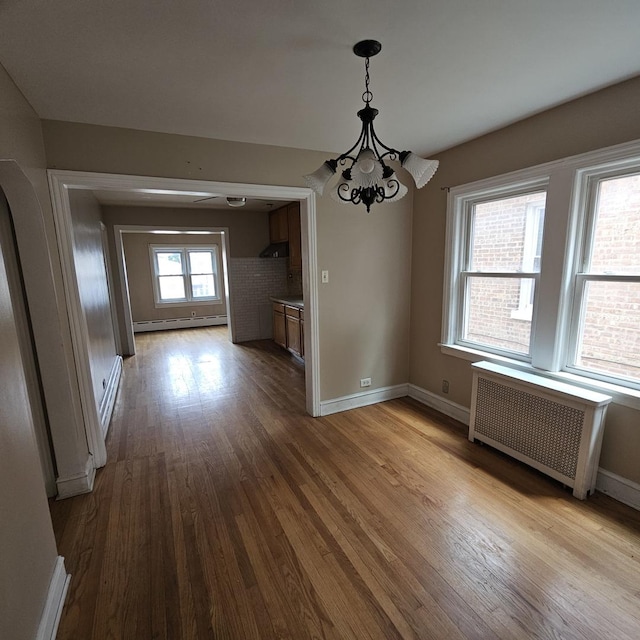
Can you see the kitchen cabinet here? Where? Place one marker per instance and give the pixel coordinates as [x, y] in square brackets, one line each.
[284, 226]
[288, 327]
[295, 242]
[292, 317]
[279, 225]
[279, 325]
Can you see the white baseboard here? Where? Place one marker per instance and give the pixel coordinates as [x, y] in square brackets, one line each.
[109, 397]
[78, 483]
[55, 601]
[433, 400]
[362, 399]
[619, 488]
[178, 323]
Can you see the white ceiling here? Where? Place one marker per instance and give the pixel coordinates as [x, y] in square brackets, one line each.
[173, 199]
[282, 72]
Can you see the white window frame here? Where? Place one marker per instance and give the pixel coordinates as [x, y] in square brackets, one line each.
[590, 182]
[553, 345]
[184, 250]
[461, 273]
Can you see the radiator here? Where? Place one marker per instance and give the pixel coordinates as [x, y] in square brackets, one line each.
[552, 426]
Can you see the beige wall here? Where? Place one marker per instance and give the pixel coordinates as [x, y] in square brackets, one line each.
[91, 275]
[27, 545]
[248, 230]
[363, 310]
[140, 277]
[28, 195]
[601, 119]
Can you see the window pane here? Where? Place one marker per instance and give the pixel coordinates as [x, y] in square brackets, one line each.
[169, 263]
[506, 234]
[201, 261]
[203, 286]
[610, 334]
[171, 287]
[616, 245]
[491, 313]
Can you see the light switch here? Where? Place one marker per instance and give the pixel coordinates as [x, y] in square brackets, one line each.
[325, 277]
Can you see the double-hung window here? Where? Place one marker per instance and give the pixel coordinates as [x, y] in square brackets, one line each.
[543, 268]
[605, 328]
[501, 265]
[185, 275]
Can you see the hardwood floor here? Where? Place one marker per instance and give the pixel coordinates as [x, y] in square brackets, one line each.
[226, 512]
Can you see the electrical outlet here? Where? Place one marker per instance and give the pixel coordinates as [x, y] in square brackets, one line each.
[365, 382]
[445, 386]
[325, 277]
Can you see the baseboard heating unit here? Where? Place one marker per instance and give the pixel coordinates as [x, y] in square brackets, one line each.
[552, 426]
[178, 323]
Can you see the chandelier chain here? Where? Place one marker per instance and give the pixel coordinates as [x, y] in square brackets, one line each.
[367, 96]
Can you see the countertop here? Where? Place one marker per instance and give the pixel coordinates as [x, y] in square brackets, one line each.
[292, 301]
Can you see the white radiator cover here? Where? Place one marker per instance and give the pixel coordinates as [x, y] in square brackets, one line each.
[552, 426]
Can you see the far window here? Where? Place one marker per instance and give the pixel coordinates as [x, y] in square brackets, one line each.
[187, 274]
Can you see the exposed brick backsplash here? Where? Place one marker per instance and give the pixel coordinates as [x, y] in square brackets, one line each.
[252, 281]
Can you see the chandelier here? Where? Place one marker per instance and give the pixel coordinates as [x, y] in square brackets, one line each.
[366, 177]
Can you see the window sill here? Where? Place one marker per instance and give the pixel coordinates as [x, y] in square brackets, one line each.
[621, 395]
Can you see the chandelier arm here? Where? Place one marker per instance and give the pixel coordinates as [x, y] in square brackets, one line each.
[389, 150]
[359, 141]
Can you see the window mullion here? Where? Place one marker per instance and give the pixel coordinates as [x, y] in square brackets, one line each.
[554, 285]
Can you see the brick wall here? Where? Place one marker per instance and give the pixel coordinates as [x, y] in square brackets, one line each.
[252, 281]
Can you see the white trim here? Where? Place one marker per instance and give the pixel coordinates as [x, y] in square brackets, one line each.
[144, 326]
[56, 595]
[433, 400]
[78, 483]
[109, 397]
[619, 488]
[77, 320]
[62, 181]
[308, 232]
[362, 399]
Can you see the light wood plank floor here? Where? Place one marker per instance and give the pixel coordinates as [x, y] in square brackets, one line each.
[226, 512]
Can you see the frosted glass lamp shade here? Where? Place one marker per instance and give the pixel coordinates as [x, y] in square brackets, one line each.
[421, 170]
[319, 178]
[366, 170]
[389, 185]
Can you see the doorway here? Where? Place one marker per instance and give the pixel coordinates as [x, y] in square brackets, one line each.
[62, 183]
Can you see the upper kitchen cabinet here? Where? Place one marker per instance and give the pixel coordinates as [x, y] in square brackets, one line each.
[284, 226]
[279, 225]
[295, 243]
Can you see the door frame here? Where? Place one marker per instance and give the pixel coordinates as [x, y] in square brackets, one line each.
[62, 182]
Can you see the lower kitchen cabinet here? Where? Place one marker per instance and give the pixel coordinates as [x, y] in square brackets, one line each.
[279, 325]
[293, 330]
[288, 328]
